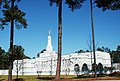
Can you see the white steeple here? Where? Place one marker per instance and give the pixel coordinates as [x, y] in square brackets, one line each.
[49, 47]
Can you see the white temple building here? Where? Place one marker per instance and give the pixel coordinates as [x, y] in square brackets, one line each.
[46, 63]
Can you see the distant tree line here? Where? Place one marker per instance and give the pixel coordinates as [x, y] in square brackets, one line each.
[18, 54]
[114, 54]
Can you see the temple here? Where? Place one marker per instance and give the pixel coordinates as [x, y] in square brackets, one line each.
[46, 63]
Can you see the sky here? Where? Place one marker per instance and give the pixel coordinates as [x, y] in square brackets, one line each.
[76, 28]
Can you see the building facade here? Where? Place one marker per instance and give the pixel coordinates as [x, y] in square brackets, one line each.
[46, 63]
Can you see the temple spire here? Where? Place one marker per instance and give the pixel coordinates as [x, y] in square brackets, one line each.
[49, 44]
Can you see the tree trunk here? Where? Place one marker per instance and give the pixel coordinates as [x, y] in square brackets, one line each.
[58, 69]
[93, 39]
[17, 69]
[11, 45]
[11, 51]
[22, 67]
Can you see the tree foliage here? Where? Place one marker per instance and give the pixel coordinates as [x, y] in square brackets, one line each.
[2, 57]
[54, 1]
[2, 51]
[100, 49]
[115, 55]
[43, 51]
[80, 51]
[12, 13]
[118, 48]
[74, 4]
[4, 61]
[108, 4]
[104, 49]
[14, 16]
[18, 54]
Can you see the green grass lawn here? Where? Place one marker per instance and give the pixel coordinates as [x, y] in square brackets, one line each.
[48, 78]
[29, 78]
[35, 78]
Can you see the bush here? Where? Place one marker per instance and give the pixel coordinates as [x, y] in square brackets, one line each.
[19, 79]
[115, 74]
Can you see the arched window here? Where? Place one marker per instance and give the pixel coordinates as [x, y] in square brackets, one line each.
[85, 69]
[99, 68]
[77, 69]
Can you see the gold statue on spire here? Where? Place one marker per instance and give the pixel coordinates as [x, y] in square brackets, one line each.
[49, 32]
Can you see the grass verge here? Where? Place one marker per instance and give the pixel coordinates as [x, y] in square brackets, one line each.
[63, 78]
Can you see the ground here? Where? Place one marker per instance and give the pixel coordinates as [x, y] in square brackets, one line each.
[91, 79]
[114, 77]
